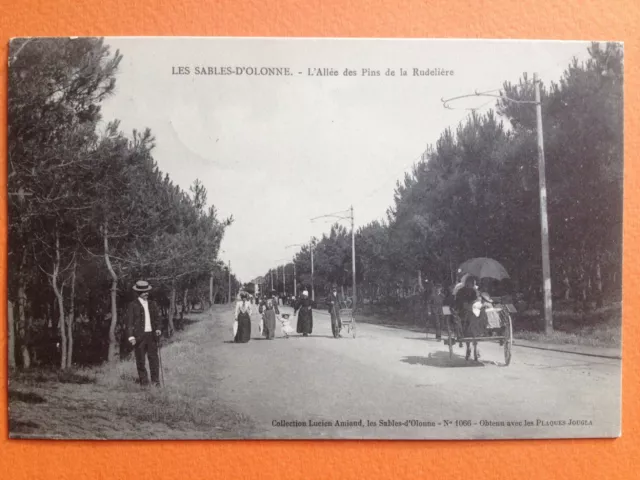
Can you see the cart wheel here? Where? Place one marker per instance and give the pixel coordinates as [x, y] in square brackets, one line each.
[508, 339]
[449, 342]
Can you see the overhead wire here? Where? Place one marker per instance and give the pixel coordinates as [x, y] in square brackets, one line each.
[423, 154]
[478, 93]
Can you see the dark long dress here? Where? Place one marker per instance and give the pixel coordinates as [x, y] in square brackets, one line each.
[269, 319]
[304, 308]
[244, 326]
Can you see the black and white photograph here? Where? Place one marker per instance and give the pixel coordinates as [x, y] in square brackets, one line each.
[314, 238]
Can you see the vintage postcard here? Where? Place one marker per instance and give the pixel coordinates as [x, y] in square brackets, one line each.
[288, 238]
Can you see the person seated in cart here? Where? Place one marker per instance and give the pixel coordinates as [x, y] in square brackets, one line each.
[469, 302]
[490, 313]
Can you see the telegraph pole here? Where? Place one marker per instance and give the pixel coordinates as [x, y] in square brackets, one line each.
[295, 287]
[346, 215]
[313, 289]
[544, 225]
[353, 258]
[284, 281]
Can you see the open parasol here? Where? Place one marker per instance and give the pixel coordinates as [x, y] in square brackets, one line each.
[483, 267]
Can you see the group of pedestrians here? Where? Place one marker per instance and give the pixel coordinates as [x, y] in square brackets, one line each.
[269, 314]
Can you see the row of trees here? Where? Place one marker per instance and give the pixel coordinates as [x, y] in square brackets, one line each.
[90, 212]
[475, 193]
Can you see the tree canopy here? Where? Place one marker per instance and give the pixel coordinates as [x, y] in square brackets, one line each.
[90, 211]
[475, 193]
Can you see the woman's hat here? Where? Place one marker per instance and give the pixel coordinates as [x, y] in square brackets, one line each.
[142, 286]
[305, 293]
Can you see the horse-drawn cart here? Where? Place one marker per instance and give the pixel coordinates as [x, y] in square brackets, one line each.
[498, 327]
[488, 319]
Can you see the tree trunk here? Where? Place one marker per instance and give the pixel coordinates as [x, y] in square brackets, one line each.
[72, 316]
[23, 319]
[599, 293]
[114, 297]
[185, 301]
[211, 291]
[57, 290]
[172, 308]
[11, 337]
[567, 285]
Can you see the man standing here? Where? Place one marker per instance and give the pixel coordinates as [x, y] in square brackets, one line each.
[143, 327]
[333, 303]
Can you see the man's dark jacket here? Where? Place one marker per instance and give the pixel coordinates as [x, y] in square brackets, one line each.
[338, 303]
[134, 320]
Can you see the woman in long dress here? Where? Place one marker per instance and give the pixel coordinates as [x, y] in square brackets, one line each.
[269, 313]
[243, 317]
[304, 308]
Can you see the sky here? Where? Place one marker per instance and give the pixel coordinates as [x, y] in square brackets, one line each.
[276, 151]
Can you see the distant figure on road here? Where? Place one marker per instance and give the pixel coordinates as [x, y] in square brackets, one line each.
[269, 311]
[435, 304]
[334, 302]
[304, 308]
[243, 317]
[142, 327]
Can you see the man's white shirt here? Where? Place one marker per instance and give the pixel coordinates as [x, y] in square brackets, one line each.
[147, 317]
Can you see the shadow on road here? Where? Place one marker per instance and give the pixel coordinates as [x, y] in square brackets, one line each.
[441, 360]
[424, 339]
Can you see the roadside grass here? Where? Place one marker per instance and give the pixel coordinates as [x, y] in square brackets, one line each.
[185, 402]
[599, 328]
[107, 402]
[76, 375]
[605, 336]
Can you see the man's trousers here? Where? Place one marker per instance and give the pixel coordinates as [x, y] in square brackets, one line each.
[147, 346]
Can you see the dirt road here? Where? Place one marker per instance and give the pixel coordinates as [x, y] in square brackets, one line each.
[391, 383]
[386, 383]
